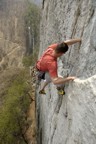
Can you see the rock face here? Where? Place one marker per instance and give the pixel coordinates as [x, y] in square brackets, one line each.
[62, 20]
[12, 36]
[36, 1]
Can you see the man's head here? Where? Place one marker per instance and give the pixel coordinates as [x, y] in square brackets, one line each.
[61, 49]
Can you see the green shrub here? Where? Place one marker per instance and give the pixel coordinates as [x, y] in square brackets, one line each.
[12, 113]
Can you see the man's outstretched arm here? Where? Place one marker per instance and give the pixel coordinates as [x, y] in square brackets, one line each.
[59, 80]
[72, 41]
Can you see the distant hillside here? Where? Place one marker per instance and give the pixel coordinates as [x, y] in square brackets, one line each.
[12, 33]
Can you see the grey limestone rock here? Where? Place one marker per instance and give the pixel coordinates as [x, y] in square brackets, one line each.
[62, 20]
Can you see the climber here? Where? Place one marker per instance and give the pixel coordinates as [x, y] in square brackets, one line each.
[47, 65]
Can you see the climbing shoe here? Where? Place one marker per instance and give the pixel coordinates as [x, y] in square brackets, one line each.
[42, 92]
[60, 91]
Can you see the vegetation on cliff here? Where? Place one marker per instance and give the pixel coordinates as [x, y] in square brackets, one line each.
[13, 122]
[15, 88]
[15, 96]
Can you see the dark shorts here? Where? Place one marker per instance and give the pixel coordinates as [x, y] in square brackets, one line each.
[40, 75]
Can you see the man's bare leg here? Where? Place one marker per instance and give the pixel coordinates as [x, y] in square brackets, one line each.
[42, 91]
[45, 84]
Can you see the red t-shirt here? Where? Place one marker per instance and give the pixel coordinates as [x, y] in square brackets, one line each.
[48, 62]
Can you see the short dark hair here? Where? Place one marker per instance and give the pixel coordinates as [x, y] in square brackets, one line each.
[61, 48]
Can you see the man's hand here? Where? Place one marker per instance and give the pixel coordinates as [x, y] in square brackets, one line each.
[71, 78]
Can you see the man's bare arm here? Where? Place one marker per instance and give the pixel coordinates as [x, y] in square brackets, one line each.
[59, 80]
[72, 41]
